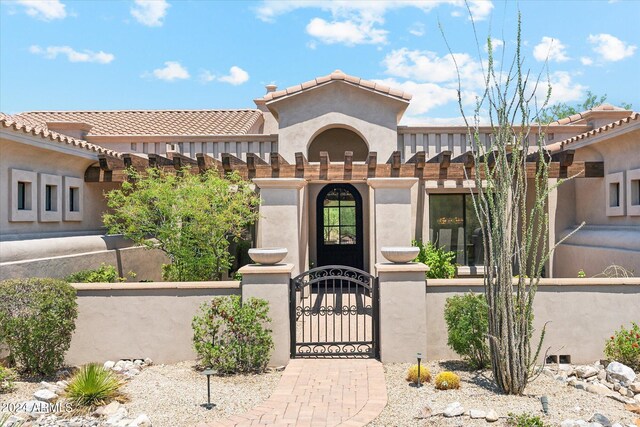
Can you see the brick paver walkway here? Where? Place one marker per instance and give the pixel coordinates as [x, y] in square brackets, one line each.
[320, 392]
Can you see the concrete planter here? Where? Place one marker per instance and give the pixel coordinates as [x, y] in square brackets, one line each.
[400, 254]
[267, 256]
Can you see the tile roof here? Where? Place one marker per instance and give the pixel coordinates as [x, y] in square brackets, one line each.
[561, 145]
[338, 75]
[583, 115]
[29, 127]
[153, 122]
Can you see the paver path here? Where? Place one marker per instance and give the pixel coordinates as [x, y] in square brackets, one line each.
[320, 392]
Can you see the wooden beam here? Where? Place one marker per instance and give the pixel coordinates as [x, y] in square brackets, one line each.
[594, 169]
[205, 162]
[135, 161]
[395, 160]
[301, 161]
[277, 161]
[180, 160]
[229, 161]
[419, 159]
[324, 160]
[158, 161]
[348, 160]
[444, 159]
[254, 160]
[372, 160]
[565, 158]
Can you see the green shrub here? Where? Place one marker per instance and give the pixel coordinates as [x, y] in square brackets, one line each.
[93, 386]
[624, 346]
[103, 274]
[467, 327]
[232, 337]
[525, 420]
[447, 381]
[440, 262]
[37, 319]
[412, 374]
[7, 378]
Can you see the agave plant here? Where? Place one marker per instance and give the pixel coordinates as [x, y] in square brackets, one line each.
[93, 386]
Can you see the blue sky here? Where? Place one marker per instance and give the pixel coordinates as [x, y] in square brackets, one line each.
[95, 55]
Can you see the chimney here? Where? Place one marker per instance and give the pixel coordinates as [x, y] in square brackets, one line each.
[271, 88]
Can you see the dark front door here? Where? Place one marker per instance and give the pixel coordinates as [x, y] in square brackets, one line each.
[339, 226]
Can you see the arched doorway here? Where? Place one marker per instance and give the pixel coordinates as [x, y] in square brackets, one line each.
[336, 141]
[339, 226]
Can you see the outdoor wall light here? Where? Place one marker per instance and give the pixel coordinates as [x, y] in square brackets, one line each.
[545, 404]
[208, 373]
[419, 357]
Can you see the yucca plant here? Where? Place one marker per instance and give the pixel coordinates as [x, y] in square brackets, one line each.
[93, 386]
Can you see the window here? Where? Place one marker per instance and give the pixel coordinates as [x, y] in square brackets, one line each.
[74, 199]
[615, 196]
[22, 195]
[633, 192]
[50, 198]
[134, 146]
[454, 226]
[339, 218]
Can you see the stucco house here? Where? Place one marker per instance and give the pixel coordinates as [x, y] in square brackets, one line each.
[328, 148]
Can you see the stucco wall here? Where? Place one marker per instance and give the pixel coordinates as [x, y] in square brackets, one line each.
[582, 313]
[126, 321]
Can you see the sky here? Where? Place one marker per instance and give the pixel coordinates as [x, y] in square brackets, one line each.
[170, 54]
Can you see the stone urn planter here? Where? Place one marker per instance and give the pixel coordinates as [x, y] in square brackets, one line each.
[400, 254]
[267, 256]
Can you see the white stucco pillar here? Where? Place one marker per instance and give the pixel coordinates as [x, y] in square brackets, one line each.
[403, 311]
[283, 218]
[392, 217]
[271, 283]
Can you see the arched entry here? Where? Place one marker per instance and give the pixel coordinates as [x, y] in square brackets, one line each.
[339, 226]
[336, 141]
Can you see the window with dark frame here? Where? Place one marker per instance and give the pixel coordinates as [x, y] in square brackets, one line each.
[74, 199]
[614, 194]
[454, 226]
[339, 218]
[22, 196]
[50, 198]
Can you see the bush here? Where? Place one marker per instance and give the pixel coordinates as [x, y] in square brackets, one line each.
[447, 381]
[467, 327]
[232, 337]
[525, 420]
[440, 262]
[7, 378]
[93, 386]
[624, 346]
[103, 274]
[412, 374]
[37, 319]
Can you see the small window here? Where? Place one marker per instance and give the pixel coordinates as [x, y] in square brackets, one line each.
[134, 146]
[614, 194]
[23, 190]
[635, 192]
[339, 213]
[74, 199]
[50, 198]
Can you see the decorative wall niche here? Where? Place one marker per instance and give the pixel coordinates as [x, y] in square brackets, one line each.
[49, 198]
[73, 199]
[23, 195]
[633, 192]
[615, 194]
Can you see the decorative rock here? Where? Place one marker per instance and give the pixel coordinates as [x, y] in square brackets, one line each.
[602, 375]
[426, 411]
[141, 421]
[601, 419]
[454, 409]
[108, 410]
[635, 387]
[45, 395]
[580, 385]
[598, 389]
[119, 415]
[492, 416]
[621, 372]
[477, 414]
[633, 407]
[109, 364]
[586, 371]
[148, 361]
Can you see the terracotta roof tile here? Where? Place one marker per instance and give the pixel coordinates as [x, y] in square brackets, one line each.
[153, 122]
[622, 122]
[338, 76]
[33, 128]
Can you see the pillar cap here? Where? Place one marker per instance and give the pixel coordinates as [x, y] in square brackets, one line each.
[291, 183]
[410, 267]
[266, 269]
[392, 182]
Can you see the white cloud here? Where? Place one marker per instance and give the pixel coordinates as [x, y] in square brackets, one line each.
[550, 49]
[150, 12]
[611, 48]
[172, 70]
[346, 32]
[563, 89]
[585, 60]
[46, 10]
[52, 52]
[417, 29]
[236, 76]
[359, 22]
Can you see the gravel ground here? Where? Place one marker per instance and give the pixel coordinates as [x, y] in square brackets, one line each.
[405, 403]
[171, 395]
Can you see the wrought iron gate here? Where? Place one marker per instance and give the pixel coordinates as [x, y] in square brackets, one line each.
[334, 313]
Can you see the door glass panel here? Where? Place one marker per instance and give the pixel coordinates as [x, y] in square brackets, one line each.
[331, 235]
[446, 218]
[339, 218]
[347, 215]
[475, 250]
[331, 216]
[348, 235]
